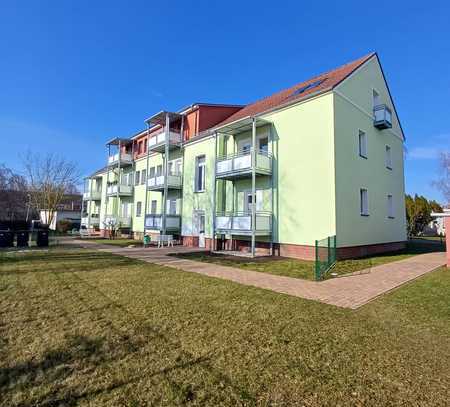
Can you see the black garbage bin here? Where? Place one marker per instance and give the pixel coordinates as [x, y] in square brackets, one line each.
[42, 238]
[22, 238]
[6, 238]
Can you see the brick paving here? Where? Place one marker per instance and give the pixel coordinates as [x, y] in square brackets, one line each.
[347, 292]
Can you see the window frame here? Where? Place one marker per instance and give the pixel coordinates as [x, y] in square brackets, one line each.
[138, 209]
[364, 203]
[199, 165]
[388, 157]
[390, 206]
[362, 154]
[137, 178]
[143, 176]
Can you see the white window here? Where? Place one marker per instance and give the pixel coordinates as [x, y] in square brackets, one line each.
[138, 208]
[376, 98]
[388, 158]
[390, 206]
[178, 167]
[264, 144]
[172, 206]
[130, 179]
[137, 177]
[151, 172]
[153, 207]
[200, 173]
[364, 202]
[143, 175]
[159, 170]
[362, 140]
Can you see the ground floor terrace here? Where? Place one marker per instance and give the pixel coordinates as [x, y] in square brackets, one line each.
[87, 327]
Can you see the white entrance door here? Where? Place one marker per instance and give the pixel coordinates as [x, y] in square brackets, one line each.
[199, 227]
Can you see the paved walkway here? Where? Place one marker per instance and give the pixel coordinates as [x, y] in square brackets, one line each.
[348, 292]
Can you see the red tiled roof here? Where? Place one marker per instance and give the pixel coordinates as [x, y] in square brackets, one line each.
[330, 80]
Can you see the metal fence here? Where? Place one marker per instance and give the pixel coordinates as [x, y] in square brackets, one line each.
[325, 257]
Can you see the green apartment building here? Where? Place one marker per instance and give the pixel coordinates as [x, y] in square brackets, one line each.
[322, 158]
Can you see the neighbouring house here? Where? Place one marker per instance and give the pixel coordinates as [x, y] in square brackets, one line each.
[437, 226]
[321, 158]
[69, 209]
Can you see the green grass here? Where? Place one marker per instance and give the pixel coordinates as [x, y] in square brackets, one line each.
[118, 242]
[305, 269]
[89, 328]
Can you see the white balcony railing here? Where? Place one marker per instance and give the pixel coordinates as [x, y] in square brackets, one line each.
[120, 189]
[157, 141]
[241, 164]
[174, 181]
[241, 223]
[154, 221]
[123, 158]
[92, 195]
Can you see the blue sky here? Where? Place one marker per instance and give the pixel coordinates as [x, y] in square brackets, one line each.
[76, 73]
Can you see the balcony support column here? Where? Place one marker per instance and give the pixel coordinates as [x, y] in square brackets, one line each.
[146, 175]
[213, 243]
[166, 170]
[253, 222]
[118, 181]
[89, 204]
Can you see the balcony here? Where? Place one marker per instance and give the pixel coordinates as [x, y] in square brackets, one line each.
[174, 181]
[240, 165]
[93, 220]
[382, 117]
[157, 142]
[92, 196]
[154, 222]
[120, 221]
[240, 223]
[123, 159]
[119, 189]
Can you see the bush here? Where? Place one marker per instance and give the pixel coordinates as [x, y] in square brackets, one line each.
[63, 226]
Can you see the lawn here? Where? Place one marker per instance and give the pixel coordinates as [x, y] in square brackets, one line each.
[87, 328]
[305, 269]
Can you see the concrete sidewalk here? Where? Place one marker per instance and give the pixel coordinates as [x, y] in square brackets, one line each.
[348, 292]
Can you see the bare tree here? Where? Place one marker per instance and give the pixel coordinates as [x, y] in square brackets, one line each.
[112, 227]
[49, 179]
[443, 183]
[13, 199]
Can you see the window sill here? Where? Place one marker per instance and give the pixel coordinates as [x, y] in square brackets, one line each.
[391, 217]
[363, 156]
[199, 192]
[389, 168]
[364, 214]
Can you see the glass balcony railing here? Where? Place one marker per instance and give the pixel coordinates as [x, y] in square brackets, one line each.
[157, 142]
[382, 117]
[240, 165]
[92, 195]
[155, 222]
[122, 158]
[174, 181]
[240, 223]
[119, 189]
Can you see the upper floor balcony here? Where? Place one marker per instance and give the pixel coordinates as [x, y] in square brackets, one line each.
[157, 183]
[122, 159]
[117, 221]
[157, 142]
[155, 222]
[240, 223]
[382, 117]
[119, 189]
[90, 220]
[240, 165]
[92, 195]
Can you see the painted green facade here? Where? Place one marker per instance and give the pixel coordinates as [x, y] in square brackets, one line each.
[317, 171]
